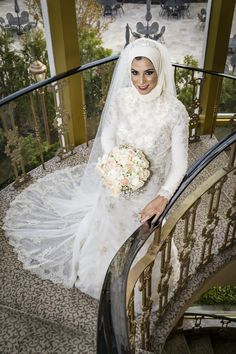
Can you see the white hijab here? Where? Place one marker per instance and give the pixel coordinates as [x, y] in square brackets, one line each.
[159, 57]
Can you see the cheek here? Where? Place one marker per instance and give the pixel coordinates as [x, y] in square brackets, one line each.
[153, 80]
[134, 79]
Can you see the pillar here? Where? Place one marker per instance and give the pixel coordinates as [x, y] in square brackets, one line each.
[220, 22]
[63, 49]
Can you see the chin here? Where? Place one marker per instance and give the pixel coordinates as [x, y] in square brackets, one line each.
[144, 92]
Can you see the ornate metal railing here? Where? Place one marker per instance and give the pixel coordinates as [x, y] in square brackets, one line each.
[200, 319]
[203, 226]
[34, 120]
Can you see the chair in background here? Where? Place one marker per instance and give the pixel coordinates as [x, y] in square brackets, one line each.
[118, 7]
[202, 18]
[163, 10]
[185, 8]
[107, 11]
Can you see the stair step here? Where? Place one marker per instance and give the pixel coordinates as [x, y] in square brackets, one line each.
[223, 345]
[27, 293]
[177, 345]
[20, 334]
[200, 344]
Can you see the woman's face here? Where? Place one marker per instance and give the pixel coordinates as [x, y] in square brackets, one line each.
[143, 75]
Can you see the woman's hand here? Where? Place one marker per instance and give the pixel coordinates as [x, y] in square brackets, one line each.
[155, 207]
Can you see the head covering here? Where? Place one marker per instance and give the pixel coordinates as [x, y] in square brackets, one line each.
[121, 79]
[159, 57]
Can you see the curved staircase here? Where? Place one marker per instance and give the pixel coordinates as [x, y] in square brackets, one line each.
[39, 317]
[203, 334]
[204, 341]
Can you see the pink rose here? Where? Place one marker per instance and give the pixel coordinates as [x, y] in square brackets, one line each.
[124, 182]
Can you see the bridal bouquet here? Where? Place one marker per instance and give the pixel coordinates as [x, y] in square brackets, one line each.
[124, 169]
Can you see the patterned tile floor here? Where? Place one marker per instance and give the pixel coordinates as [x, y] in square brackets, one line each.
[37, 316]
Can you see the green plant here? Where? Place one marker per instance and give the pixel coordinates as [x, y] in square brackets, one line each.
[97, 80]
[13, 73]
[34, 47]
[31, 154]
[2, 142]
[89, 14]
[29, 151]
[224, 295]
[184, 84]
[227, 102]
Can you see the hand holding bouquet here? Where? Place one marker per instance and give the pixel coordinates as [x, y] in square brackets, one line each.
[123, 170]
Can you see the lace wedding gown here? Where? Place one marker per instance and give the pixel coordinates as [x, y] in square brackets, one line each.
[69, 236]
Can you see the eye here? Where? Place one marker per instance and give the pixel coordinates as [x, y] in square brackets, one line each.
[134, 72]
[149, 72]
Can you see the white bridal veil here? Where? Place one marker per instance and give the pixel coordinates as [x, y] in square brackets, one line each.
[158, 55]
[59, 224]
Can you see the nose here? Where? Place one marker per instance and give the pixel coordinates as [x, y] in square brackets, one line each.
[142, 79]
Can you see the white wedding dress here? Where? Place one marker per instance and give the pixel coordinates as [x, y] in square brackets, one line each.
[70, 236]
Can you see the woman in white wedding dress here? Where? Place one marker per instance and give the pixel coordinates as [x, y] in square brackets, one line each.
[67, 226]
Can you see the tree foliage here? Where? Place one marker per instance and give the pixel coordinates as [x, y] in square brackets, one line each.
[34, 47]
[228, 97]
[184, 86]
[13, 73]
[223, 295]
[96, 80]
[89, 14]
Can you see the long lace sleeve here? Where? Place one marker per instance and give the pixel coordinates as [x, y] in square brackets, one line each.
[108, 136]
[179, 154]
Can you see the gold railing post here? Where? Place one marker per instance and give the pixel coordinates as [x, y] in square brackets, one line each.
[61, 121]
[131, 323]
[230, 232]
[146, 290]
[232, 156]
[41, 93]
[212, 221]
[166, 270]
[36, 129]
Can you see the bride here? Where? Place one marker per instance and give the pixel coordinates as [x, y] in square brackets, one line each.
[67, 226]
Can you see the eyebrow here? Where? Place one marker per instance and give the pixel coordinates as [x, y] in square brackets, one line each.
[151, 69]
